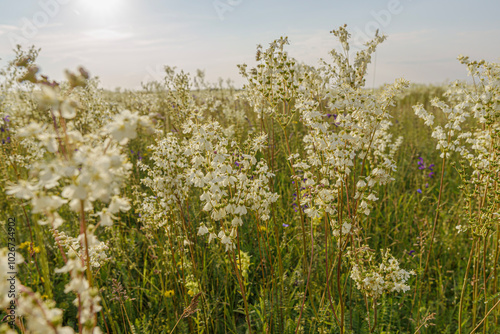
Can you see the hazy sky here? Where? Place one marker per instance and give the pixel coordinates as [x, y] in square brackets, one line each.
[125, 42]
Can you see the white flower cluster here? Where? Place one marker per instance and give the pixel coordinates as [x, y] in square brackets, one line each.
[374, 280]
[80, 168]
[472, 130]
[85, 167]
[176, 90]
[342, 72]
[39, 316]
[87, 298]
[350, 135]
[350, 151]
[448, 138]
[5, 267]
[274, 83]
[346, 228]
[167, 179]
[231, 182]
[49, 98]
[124, 125]
[97, 249]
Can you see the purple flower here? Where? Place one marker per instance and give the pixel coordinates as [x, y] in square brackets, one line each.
[237, 164]
[421, 164]
[411, 252]
[6, 118]
[419, 191]
[285, 225]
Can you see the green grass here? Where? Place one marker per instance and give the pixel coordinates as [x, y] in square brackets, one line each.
[150, 262]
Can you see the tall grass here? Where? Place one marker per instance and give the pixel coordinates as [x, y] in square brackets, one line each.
[290, 206]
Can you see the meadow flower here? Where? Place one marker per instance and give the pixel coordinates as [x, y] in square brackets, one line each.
[374, 280]
[23, 190]
[124, 126]
[43, 203]
[423, 166]
[31, 130]
[219, 160]
[202, 230]
[207, 161]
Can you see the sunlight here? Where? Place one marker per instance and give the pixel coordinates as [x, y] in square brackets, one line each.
[101, 7]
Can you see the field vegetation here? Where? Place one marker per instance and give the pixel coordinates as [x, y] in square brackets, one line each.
[302, 203]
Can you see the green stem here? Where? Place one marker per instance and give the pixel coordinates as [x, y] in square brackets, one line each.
[462, 294]
[435, 218]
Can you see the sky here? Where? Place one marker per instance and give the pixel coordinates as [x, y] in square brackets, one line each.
[126, 42]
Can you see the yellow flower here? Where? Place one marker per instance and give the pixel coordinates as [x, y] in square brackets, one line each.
[169, 293]
[317, 219]
[24, 244]
[262, 228]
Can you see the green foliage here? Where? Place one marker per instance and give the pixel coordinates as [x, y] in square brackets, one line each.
[283, 268]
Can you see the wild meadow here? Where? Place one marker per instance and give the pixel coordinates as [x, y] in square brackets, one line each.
[302, 203]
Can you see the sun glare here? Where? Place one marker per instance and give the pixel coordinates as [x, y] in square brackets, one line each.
[101, 7]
